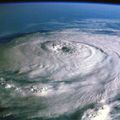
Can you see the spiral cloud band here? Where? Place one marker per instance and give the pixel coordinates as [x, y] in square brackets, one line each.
[62, 72]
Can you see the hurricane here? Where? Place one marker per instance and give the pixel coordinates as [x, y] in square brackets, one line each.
[67, 74]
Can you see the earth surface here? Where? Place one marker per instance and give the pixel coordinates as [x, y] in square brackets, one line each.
[59, 61]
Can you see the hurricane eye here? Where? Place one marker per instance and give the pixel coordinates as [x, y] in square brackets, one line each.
[43, 46]
[66, 49]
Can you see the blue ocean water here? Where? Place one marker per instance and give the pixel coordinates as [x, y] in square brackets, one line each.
[17, 18]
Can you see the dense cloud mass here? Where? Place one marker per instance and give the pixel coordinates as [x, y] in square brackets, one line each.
[68, 74]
